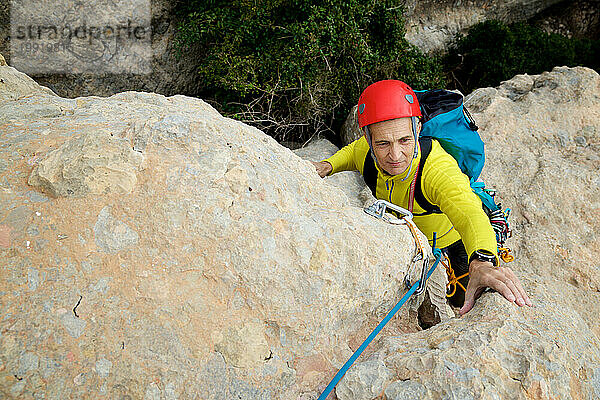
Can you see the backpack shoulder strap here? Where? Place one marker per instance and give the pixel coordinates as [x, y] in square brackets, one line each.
[425, 142]
[370, 172]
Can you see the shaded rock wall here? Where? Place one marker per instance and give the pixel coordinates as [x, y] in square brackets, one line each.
[577, 19]
[433, 24]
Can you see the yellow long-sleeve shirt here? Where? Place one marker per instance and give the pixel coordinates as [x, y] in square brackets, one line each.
[443, 184]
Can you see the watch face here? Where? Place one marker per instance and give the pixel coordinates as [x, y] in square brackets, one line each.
[485, 257]
[481, 256]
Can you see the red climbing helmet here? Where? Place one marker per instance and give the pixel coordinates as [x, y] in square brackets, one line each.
[386, 100]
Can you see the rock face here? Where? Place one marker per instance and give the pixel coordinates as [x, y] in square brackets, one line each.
[578, 19]
[432, 24]
[542, 136]
[150, 248]
[89, 164]
[229, 269]
[351, 182]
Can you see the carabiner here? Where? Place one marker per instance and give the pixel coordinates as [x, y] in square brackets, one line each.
[423, 280]
[377, 210]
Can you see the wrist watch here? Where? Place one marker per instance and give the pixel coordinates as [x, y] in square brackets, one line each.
[484, 255]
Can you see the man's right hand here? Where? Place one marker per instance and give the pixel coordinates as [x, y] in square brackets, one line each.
[323, 168]
[483, 274]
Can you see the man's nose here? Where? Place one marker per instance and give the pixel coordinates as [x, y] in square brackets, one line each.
[395, 151]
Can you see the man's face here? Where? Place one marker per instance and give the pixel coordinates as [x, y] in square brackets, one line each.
[393, 144]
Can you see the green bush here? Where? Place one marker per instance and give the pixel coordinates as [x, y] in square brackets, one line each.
[492, 52]
[294, 68]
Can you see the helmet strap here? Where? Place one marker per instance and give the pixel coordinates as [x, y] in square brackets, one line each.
[370, 143]
[416, 152]
[415, 134]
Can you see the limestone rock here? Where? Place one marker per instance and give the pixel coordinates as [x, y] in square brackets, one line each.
[350, 130]
[573, 19]
[231, 270]
[366, 380]
[351, 182]
[405, 390]
[15, 85]
[88, 164]
[245, 346]
[112, 235]
[516, 87]
[178, 244]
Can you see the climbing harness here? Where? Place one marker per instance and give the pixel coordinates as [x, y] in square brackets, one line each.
[378, 210]
[498, 220]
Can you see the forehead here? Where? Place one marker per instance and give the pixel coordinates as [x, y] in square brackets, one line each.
[391, 129]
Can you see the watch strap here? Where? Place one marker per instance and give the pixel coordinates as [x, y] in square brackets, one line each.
[484, 255]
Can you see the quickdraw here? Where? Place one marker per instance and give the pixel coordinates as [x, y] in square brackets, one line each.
[378, 210]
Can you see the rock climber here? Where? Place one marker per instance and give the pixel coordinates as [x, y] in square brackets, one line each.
[389, 116]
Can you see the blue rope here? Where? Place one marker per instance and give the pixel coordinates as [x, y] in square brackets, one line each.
[438, 255]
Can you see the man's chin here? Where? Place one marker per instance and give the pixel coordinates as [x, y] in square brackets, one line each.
[392, 170]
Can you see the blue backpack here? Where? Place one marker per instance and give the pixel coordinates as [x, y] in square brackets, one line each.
[446, 120]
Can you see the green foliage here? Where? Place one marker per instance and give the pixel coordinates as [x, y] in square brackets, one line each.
[493, 52]
[294, 68]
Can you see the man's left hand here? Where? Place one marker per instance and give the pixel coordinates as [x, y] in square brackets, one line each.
[483, 274]
[324, 168]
